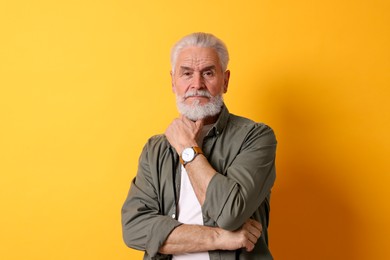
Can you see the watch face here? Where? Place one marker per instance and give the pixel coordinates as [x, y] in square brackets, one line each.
[188, 154]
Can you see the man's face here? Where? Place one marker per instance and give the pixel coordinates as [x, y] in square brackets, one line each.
[198, 79]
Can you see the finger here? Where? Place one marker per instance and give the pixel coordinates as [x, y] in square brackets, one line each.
[249, 246]
[255, 224]
[255, 232]
[251, 238]
[187, 122]
[199, 124]
[185, 119]
[258, 226]
[253, 229]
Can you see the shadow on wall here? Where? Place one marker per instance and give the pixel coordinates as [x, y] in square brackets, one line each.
[311, 217]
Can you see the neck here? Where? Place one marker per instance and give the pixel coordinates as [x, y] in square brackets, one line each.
[210, 120]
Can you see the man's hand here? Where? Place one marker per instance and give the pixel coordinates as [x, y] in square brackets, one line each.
[196, 238]
[245, 237]
[182, 133]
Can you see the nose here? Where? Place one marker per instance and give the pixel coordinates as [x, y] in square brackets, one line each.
[197, 81]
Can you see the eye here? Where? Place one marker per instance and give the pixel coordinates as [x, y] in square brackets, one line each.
[208, 73]
[187, 73]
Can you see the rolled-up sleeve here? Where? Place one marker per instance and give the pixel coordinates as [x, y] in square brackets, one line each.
[143, 225]
[232, 198]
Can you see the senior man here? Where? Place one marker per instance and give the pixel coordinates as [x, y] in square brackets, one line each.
[202, 190]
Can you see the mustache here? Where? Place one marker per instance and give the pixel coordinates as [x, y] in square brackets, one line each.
[202, 93]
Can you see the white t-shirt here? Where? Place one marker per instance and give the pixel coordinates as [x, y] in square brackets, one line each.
[190, 212]
[189, 209]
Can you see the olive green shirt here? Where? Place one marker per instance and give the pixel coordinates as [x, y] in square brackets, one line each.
[243, 154]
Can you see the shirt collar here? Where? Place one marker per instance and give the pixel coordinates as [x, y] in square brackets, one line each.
[221, 122]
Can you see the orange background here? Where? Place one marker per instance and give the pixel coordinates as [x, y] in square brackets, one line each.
[83, 84]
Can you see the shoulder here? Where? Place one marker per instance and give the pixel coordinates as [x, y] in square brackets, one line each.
[248, 125]
[249, 133]
[156, 151]
[157, 143]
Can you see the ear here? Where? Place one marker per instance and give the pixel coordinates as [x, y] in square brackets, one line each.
[172, 84]
[226, 78]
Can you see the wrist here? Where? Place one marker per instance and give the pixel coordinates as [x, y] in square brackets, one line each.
[182, 147]
[189, 154]
[216, 240]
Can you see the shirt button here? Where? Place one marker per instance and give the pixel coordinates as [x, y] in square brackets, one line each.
[173, 215]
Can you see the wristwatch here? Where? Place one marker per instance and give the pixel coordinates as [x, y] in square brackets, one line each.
[189, 154]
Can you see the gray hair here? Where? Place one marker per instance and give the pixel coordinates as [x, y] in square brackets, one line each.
[201, 39]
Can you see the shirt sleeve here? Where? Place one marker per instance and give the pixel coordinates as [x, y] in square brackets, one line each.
[143, 225]
[232, 199]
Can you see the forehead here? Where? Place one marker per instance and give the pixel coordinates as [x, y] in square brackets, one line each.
[197, 57]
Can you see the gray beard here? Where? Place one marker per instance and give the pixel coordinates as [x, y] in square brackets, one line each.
[196, 111]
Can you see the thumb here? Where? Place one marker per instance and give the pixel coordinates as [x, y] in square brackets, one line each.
[199, 124]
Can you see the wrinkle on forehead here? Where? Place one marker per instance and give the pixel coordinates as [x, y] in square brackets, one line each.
[197, 58]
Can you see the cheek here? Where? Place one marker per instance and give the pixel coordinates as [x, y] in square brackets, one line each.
[178, 87]
[216, 88]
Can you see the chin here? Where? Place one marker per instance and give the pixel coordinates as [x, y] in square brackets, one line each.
[197, 110]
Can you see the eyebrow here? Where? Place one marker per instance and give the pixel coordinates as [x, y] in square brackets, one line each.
[185, 68]
[212, 67]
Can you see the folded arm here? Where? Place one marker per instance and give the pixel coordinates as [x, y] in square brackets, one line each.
[229, 199]
[195, 238]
